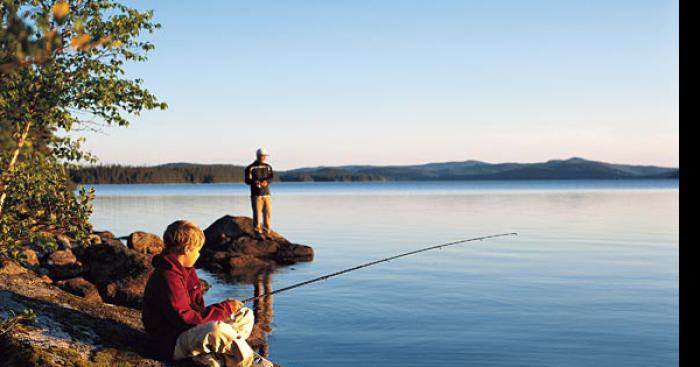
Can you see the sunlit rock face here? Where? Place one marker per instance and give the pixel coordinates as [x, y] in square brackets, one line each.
[232, 247]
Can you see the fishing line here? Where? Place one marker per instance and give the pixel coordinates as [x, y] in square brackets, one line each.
[324, 277]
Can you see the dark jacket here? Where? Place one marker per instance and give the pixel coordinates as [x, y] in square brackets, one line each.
[255, 172]
[173, 303]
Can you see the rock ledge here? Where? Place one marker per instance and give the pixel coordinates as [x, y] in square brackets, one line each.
[232, 247]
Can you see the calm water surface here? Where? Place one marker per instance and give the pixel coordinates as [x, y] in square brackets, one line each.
[592, 279]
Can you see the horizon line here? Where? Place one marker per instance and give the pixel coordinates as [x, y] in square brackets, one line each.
[386, 165]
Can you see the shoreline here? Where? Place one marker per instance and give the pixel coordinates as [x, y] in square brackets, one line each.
[88, 298]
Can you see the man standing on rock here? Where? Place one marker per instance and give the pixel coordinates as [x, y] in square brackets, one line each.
[259, 175]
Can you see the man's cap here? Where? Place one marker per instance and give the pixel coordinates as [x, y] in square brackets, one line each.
[261, 151]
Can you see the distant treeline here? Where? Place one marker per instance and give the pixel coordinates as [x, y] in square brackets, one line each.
[200, 173]
[330, 174]
[167, 173]
[574, 168]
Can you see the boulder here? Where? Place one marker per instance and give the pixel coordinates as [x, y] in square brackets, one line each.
[119, 273]
[30, 257]
[254, 247]
[228, 228]
[232, 246]
[95, 239]
[294, 253]
[220, 233]
[145, 243]
[62, 264]
[214, 261]
[11, 267]
[103, 234]
[61, 258]
[63, 242]
[81, 287]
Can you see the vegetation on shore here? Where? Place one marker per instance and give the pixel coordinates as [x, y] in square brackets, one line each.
[61, 70]
[62, 67]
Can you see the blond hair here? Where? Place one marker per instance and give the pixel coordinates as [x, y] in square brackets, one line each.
[182, 235]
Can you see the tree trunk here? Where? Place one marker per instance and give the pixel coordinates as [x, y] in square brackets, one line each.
[7, 174]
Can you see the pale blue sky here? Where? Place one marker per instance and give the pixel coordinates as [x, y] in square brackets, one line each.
[402, 82]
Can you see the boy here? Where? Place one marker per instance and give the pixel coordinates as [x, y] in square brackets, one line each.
[175, 316]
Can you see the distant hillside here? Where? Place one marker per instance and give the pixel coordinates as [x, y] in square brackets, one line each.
[574, 168]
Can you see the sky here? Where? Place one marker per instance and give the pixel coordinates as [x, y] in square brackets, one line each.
[403, 82]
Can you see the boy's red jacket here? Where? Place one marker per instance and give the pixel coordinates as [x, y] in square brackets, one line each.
[173, 303]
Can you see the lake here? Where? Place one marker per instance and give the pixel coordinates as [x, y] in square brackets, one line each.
[591, 279]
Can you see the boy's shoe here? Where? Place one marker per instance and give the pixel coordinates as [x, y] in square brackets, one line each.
[259, 361]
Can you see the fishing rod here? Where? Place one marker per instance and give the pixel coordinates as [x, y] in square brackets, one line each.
[324, 277]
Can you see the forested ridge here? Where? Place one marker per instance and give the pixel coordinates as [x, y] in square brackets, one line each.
[167, 173]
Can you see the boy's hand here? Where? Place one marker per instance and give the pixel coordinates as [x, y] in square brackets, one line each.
[235, 304]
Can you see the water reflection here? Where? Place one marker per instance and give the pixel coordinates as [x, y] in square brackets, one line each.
[262, 307]
[263, 310]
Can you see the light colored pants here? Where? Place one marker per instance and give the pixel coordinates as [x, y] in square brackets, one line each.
[224, 337]
[262, 207]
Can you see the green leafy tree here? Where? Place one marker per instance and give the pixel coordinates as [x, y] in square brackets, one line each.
[31, 34]
[61, 68]
[41, 204]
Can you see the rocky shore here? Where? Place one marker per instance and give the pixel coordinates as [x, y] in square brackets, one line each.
[88, 299]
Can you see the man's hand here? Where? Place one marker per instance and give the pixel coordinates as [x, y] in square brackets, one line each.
[235, 304]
